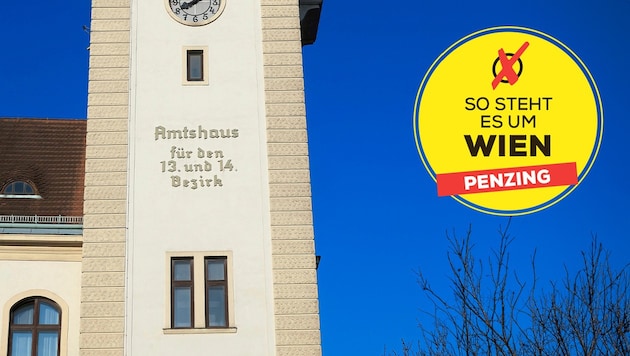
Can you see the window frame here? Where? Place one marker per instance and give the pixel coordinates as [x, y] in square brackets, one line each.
[35, 327]
[200, 322]
[190, 56]
[211, 283]
[187, 51]
[181, 283]
[13, 195]
[16, 298]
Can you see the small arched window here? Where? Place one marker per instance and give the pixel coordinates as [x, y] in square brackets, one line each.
[19, 189]
[34, 328]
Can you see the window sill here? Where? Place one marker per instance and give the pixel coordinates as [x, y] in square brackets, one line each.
[20, 196]
[171, 331]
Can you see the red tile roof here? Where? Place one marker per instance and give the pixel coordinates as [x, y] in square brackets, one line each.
[49, 154]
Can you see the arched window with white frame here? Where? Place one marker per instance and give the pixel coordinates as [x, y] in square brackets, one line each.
[20, 189]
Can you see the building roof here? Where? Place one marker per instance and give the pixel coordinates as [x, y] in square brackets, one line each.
[48, 154]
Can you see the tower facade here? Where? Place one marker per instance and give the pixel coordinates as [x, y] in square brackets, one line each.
[197, 230]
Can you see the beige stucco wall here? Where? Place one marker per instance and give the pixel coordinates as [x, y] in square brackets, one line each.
[295, 277]
[165, 216]
[105, 208]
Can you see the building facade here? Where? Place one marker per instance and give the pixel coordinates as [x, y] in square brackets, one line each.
[41, 204]
[197, 233]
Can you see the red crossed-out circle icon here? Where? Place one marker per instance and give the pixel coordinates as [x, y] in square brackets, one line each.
[507, 64]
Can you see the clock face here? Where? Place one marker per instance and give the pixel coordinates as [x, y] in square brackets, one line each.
[195, 12]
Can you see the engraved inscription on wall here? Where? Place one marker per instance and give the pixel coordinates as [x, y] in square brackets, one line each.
[194, 161]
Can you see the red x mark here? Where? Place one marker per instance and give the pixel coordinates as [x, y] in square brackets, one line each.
[507, 71]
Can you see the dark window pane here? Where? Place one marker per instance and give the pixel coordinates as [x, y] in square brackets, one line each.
[216, 269]
[24, 314]
[21, 343]
[181, 270]
[195, 65]
[216, 306]
[19, 188]
[47, 343]
[48, 315]
[182, 307]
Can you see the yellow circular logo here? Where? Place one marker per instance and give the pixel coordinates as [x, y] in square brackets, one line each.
[508, 121]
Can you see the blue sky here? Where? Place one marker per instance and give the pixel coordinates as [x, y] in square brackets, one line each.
[377, 215]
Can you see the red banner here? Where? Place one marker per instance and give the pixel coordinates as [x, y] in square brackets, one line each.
[493, 180]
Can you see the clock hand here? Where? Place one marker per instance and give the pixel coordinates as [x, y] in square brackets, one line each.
[188, 5]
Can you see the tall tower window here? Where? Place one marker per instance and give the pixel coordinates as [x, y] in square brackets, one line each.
[195, 66]
[201, 299]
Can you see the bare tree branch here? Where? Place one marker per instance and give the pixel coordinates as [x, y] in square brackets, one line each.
[493, 311]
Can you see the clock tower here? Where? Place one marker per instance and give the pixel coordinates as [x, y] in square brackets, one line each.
[198, 235]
